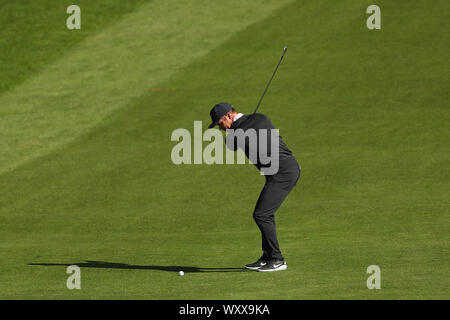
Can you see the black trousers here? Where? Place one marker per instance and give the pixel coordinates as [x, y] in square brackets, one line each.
[275, 190]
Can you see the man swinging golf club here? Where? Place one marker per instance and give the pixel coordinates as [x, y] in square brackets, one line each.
[278, 183]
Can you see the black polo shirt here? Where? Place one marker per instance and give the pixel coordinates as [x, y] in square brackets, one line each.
[256, 122]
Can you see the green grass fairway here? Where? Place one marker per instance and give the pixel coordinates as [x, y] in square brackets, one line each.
[86, 176]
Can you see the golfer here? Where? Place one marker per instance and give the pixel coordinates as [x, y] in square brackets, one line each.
[277, 186]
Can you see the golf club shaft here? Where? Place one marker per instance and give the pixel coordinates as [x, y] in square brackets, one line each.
[268, 84]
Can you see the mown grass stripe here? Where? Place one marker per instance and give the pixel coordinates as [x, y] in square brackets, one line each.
[34, 34]
[108, 69]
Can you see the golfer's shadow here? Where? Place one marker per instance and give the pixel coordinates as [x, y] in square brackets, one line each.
[114, 265]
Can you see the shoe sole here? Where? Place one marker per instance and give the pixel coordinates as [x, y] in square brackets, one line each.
[280, 268]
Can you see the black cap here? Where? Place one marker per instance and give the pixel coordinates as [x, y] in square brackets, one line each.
[218, 111]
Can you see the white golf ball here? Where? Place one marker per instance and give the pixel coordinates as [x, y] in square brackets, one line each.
[181, 273]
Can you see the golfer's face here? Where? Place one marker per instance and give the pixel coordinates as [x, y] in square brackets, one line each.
[225, 122]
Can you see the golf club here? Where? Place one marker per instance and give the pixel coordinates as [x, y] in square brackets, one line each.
[267, 87]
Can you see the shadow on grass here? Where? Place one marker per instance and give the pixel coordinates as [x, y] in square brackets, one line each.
[113, 265]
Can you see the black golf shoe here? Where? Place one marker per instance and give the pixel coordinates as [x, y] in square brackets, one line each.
[256, 265]
[274, 265]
